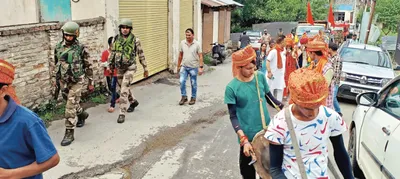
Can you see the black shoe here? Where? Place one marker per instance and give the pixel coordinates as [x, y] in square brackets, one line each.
[81, 119]
[68, 137]
[183, 100]
[121, 118]
[133, 106]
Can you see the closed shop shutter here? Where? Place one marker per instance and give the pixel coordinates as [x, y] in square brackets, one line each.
[186, 17]
[150, 25]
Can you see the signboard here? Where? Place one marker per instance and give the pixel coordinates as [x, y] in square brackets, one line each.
[397, 53]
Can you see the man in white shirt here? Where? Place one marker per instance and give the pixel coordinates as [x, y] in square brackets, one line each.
[276, 61]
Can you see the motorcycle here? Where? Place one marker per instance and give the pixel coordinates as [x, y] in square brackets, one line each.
[218, 53]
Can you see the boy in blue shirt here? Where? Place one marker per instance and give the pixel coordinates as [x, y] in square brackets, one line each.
[26, 150]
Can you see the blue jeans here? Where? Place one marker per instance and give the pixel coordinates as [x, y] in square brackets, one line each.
[184, 73]
[335, 101]
[114, 94]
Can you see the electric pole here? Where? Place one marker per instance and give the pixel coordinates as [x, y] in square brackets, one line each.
[370, 20]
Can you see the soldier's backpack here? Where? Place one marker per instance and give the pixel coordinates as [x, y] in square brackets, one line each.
[73, 58]
[124, 51]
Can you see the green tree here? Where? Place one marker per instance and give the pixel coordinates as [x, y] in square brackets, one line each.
[388, 12]
[263, 11]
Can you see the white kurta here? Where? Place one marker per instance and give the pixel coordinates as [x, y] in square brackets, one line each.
[278, 80]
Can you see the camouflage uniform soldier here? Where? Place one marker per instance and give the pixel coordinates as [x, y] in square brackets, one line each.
[123, 57]
[71, 67]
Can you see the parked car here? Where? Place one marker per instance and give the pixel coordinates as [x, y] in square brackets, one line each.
[365, 68]
[375, 133]
[255, 38]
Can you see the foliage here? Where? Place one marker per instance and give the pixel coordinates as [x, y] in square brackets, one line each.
[263, 11]
[53, 111]
[359, 16]
[388, 12]
[207, 59]
[50, 111]
[97, 96]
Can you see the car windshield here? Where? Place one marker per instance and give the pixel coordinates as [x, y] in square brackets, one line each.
[302, 29]
[364, 56]
[253, 33]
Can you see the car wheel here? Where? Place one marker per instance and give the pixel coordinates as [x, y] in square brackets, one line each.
[352, 154]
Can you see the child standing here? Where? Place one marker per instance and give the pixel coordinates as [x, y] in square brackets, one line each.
[111, 78]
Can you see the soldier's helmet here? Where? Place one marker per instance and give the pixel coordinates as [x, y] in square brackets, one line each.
[125, 22]
[71, 28]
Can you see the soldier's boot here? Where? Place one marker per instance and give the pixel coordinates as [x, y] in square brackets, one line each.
[68, 137]
[183, 100]
[133, 106]
[121, 118]
[82, 118]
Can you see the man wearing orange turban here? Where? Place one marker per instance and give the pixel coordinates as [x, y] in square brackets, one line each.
[303, 59]
[26, 150]
[7, 72]
[317, 125]
[291, 61]
[319, 37]
[246, 97]
[320, 63]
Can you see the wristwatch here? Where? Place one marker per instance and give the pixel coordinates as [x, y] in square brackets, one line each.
[201, 66]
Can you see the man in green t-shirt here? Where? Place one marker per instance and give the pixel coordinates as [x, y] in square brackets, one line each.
[243, 95]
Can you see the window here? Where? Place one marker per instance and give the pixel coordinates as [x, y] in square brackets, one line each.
[253, 33]
[391, 102]
[339, 16]
[311, 30]
[363, 56]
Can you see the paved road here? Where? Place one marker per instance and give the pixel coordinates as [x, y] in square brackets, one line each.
[160, 139]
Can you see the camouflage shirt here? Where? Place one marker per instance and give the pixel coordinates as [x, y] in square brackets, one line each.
[71, 63]
[122, 51]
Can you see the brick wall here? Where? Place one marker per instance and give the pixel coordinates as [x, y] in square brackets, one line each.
[30, 48]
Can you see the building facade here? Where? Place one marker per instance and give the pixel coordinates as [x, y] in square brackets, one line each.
[344, 11]
[216, 21]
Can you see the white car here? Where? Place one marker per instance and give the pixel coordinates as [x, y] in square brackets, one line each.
[374, 145]
[255, 39]
[365, 68]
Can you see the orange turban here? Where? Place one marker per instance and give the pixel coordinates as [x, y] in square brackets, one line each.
[304, 39]
[308, 88]
[314, 46]
[242, 58]
[7, 72]
[289, 41]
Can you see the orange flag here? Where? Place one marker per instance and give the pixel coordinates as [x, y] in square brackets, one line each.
[331, 18]
[310, 19]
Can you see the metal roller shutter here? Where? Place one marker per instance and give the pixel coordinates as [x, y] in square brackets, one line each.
[150, 25]
[186, 16]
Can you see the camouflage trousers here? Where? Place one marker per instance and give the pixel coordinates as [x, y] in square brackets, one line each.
[125, 79]
[73, 108]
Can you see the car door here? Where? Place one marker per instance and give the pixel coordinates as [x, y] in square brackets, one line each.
[375, 133]
[391, 105]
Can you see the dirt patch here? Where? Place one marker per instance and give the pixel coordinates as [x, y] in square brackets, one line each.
[167, 81]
